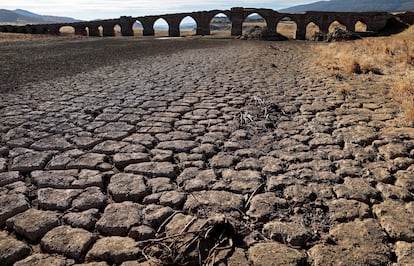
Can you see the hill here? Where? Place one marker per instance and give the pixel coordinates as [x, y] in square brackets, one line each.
[355, 6]
[22, 17]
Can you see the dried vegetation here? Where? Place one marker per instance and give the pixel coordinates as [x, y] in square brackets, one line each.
[392, 58]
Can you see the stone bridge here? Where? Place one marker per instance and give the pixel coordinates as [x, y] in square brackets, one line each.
[375, 21]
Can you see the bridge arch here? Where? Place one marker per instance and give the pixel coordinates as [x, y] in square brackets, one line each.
[253, 20]
[66, 30]
[337, 23]
[220, 24]
[287, 26]
[188, 26]
[161, 27]
[360, 25]
[311, 29]
[138, 27]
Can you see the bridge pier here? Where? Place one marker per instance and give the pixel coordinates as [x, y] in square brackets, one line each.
[108, 30]
[203, 25]
[127, 26]
[94, 30]
[237, 18]
[173, 25]
[81, 30]
[148, 25]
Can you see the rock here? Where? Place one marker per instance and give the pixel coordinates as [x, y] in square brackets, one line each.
[89, 178]
[10, 205]
[397, 219]
[54, 179]
[142, 232]
[261, 33]
[177, 145]
[354, 243]
[405, 180]
[60, 161]
[68, 241]
[114, 249]
[91, 197]
[85, 219]
[118, 218]
[292, 233]
[393, 150]
[153, 169]
[124, 187]
[343, 210]
[33, 224]
[245, 181]
[87, 161]
[173, 199]
[56, 142]
[213, 201]
[10, 177]
[404, 252]
[11, 250]
[56, 199]
[155, 215]
[121, 160]
[393, 192]
[264, 205]
[356, 189]
[30, 161]
[160, 184]
[272, 166]
[272, 254]
[110, 147]
[45, 259]
[85, 142]
[144, 139]
[115, 127]
[342, 35]
[223, 160]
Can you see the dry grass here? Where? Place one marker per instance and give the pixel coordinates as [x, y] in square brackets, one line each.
[392, 57]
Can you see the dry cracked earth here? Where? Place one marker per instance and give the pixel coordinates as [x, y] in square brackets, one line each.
[223, 153]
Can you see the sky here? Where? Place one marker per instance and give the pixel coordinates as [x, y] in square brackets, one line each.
[102, 9]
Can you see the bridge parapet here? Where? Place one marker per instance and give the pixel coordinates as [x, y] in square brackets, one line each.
[375, 21]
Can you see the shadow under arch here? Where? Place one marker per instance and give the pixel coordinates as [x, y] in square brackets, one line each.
[220, 25]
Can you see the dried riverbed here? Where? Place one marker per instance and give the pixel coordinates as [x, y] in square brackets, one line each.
[195, 151]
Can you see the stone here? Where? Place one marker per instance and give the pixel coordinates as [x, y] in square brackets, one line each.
[264, 205]
[60, 161]
[153, 169]
[58, 143]
[162, 155]
[85, 219]
[404, 252]
[343, 210]
[33, 224]
[54, 179]
[245, 181]
[142, 232]
[10, 177]
[393, 192]
[213, 201]
[356, 189]
[30, 161]
[68, 241]
[393, 150]
[160, 184]
[110, 147]
[87, 161]
[272, 166]
[3, 165]
[155, 215]
[223, 160]
[115, 127]
[40, 259]
[405, 180]
[121, 160]
[354, 243]
[12, 250]
[144, 139]
[56, 199]
[177, 145]
[128, 187]
[272, 254]
[173, 199]
[114, 249]
[10, 205]
[293, 233]
[397, 219]
[91, 197]
[85, 142]
[88, 178]
[119, 218]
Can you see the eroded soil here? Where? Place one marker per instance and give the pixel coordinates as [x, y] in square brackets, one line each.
[220, 152]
